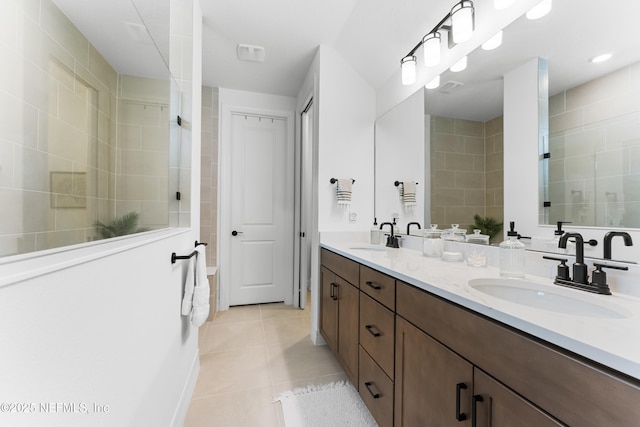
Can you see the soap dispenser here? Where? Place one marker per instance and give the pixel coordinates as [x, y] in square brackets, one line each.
[396, 229]
[374, 238]
[512, 255]
[554, 246]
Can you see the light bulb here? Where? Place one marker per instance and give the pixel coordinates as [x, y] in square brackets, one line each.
[462, 21]
[601, 58]
[493, 42]
[408, 67]
[540, 10]
[433, 83]
[431, 46]
[460, 65]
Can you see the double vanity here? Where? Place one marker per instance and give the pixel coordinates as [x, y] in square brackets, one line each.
[434, 343]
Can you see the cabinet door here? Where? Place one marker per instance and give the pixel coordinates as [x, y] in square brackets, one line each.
[433, 385]
[329, 308]
[348, 322]
[497, 406]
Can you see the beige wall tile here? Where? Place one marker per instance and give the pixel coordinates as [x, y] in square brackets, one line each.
[62, 30]
[459, 162]
[469, 180]
[469, 128]
[613, 84]
[568, 120]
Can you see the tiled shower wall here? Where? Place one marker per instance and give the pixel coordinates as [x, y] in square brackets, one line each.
[209, 182]
[594, 177]
[466, 171]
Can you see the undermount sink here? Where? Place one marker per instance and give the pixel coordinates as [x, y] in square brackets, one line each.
[549, 297]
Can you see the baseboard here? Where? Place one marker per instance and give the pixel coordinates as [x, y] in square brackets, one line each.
[187, 392]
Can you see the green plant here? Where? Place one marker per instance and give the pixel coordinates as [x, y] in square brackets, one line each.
[487, 225]
[126, 224]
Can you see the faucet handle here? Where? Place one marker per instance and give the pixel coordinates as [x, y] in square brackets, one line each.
[563, 269]
[599, 277]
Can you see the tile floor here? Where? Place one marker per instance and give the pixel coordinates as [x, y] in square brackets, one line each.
[249, 354]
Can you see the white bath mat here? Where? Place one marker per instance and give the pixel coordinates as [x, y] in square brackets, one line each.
[332, 405]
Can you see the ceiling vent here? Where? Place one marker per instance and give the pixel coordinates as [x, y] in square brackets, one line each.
[249, 52]
[450, 86]
[138, 32]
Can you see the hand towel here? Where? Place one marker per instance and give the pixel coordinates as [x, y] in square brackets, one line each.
[408, 193]
[196, 288]
[343, 191]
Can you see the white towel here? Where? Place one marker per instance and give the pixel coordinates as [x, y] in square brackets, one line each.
[408, 193]
[196, 288]
[343, 191]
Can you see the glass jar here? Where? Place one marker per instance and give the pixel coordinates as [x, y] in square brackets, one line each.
[432, 242]
[453, 244]
[475, 253]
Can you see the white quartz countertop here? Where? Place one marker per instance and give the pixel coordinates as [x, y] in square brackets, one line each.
[613, 342]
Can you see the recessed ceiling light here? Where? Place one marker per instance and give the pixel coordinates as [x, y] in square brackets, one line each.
[601, 58]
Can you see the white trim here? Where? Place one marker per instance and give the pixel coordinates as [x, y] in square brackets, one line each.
[25, 267]
[182, 408]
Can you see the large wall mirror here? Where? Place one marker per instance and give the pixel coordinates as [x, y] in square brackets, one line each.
[89, 142]
[464, 115]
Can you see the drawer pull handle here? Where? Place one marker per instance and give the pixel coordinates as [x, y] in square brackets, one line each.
[333, 292]
[460, 416]
[368, 385]
[371, 331]
[374, 286]
[474, 403]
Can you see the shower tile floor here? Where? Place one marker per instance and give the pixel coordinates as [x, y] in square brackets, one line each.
[249, 354]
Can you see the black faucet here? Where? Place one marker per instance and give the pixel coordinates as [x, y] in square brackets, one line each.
[607, 241]
[579, 267]
[409, 226]
[392, 241]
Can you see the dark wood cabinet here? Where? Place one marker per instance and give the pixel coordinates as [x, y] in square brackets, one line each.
[433, 384]
[497, 406]
[340, 310]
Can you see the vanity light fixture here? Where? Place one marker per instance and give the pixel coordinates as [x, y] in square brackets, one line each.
[431, 45]
[502, 4]
[460, 23]
[601, 58]
[408, 66]
[433, 84]
[460, 65]
[494, 42]
[540, 10]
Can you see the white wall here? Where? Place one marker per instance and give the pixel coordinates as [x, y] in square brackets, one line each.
[400, 156]
[346, 106]
[100, 323]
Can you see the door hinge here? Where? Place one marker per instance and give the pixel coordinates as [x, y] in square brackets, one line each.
[179, 121]
[177, 195]
[302, 234]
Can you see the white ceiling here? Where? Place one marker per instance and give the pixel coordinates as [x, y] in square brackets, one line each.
[372, 35]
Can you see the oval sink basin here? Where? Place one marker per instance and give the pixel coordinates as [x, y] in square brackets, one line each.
[550, 297]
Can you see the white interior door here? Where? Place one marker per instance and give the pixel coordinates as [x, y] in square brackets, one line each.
[261, 211]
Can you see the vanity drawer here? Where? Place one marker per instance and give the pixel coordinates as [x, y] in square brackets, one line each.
[377, 332]
[347, 269]
[379, 286]
[376, 390]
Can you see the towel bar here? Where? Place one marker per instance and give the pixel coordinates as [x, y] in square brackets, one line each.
[397, 183]
[333, 180]
[175, 257]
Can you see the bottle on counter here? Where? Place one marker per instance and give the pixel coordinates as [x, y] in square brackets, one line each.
[374, 237]
[475, 250]
[432, 242]
[512, 255]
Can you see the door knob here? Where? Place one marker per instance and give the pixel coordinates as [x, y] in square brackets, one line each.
[235, 233]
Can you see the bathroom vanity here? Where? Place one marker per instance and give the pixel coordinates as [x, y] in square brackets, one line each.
[424, 348]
